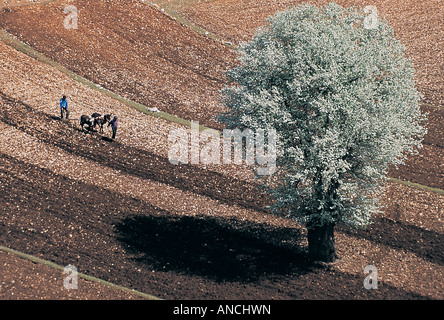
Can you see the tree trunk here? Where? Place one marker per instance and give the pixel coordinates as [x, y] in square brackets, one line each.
[321, 243]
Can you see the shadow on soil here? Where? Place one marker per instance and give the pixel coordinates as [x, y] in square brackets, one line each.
[130, 160]
[206, 247]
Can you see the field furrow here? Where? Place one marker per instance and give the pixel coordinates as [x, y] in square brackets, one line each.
[63, 205]
[122, 212]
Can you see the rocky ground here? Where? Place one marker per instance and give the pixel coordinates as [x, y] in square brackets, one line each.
[120, 211]
[416, 23]
[178, 71]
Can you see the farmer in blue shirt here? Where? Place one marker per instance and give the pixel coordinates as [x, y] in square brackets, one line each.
[64, 107]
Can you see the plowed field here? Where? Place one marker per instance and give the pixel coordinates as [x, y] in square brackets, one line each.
[120, 211]
[418, 24]
[132, 49]
[135, 50]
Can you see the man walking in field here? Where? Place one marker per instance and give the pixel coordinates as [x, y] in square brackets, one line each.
[64, 108]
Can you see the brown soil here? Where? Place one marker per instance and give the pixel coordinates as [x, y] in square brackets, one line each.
[122, 212]
[25, 280]
[180, 71]
[130, 242]
[14, 3]
[427, 167]
[126, 241]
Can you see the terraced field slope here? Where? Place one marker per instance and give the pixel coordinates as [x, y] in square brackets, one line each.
[120, 211]
[418, 24]
[132, 49]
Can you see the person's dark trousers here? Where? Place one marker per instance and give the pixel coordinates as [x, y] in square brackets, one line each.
[66, 113]
[114, 132]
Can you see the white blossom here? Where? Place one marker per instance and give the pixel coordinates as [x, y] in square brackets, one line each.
[343, 102]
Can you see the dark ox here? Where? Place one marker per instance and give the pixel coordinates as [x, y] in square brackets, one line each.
[96, 119]
[100, 120]
[86, 120]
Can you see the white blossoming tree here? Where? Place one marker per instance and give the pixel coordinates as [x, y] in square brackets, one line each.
[342, 99]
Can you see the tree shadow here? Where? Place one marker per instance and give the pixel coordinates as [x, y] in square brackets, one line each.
[399, 235]
[207, 247]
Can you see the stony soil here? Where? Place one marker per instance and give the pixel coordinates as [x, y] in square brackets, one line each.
[178, 71]
[120, 211]
[24, 280]
[416, 23]
[181, 72]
